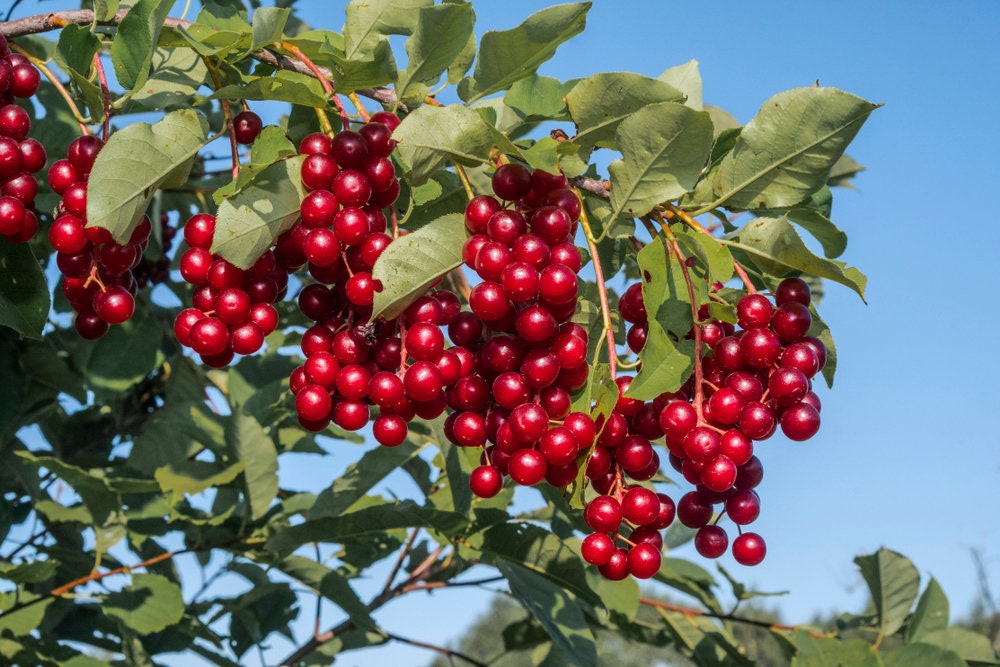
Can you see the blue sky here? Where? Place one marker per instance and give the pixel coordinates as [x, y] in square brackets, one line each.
[908, 456]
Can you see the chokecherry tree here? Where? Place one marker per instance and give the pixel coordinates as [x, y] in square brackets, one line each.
[435, 259]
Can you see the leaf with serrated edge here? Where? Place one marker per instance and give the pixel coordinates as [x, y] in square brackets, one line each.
[368, 21]
[599, 103]
[152, 603]
[412, 263]
[24, 294]
[249, 443]
[664, 147]
[247, 223]
[894, 583]
[786, 151]
[431, 135]
[441, 34]
[687, 79]
[775, 243]
[931, 613]
[134, 43]
[136, 161]
[268, 25]
[508, 55]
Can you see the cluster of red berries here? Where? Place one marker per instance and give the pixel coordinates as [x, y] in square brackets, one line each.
[756, 379]
[97, 271]
[351, 364]
[232, 308]
[21, 157]
[529, 356]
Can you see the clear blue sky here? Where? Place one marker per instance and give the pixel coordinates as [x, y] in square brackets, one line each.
[908, 456]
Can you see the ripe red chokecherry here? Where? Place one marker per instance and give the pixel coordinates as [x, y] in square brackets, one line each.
[644, 560]
[749, 549]
[711, 541]
[246, 126]
[486, 481]
[597, 549]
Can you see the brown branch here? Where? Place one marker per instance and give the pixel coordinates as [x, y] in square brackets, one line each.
[32, 25]
[451, 653]
[592, 185]
[424, 571]
[687, 611]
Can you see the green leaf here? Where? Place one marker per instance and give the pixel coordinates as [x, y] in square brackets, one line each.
[537, 549]
[134, 43]
[971, 646]
[833, 240]
[135, 162]
[599, 104]
[378, 518]
[775, 246]
[270, 146]
[24, 294]
[375, 69]
[556, 609]
[31, 572]
[538, 97]
[688, 578]
[21, 622]
[922, 655]
[411, 263]
[894, 583]
[331, 584]
[360, 477]
[250, 444]
[664, 147]
[283, 86]
[126, 354]
[508, 55]
[192, 477]
[105, 9]
[95, 491]
[152, 603]
[441, 33]
[687, 79]
[247, 223]
[830, 652]
[76, 48]
[712, 254]
[931, 613]
[666, 365]
[268, 25]
[786, 152]
[368, 21]
[431, 135]
[177, 75]
[843, 171]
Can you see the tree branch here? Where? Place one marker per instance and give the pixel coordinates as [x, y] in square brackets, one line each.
[39, 23]
[687, 611]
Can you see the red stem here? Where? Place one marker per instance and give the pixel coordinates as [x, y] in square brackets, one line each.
[106, 94]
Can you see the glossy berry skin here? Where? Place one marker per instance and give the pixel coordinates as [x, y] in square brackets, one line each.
[644, 560]
[792, 289]
[511, 181]
[246, 126]
[640, 506]
[743, 507]
[597, 549]
[749, 549]
[800, 422]
[115, 305]
[526, 467]
[486, 481]
[711, 541]
[603, 514]
[616, 568]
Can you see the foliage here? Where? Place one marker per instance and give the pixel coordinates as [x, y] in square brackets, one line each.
[132, 473]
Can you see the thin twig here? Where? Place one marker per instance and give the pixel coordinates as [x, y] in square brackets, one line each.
[451, 653]
[687, 611]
